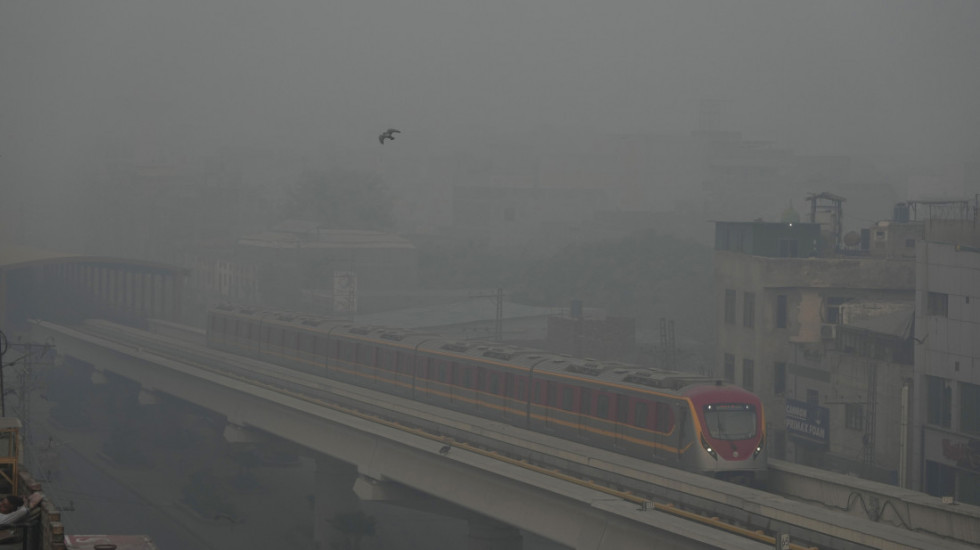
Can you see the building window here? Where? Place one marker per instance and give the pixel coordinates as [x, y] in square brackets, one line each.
[832, 314]
[729, 306]
[939, 401]
[748, 309]
[779, 378]
[723, 239]
[789, 248]
[969, 408]
[812, 398]
[748, 374]
[854, 416]
[781, 311]
[729, 367]
[938, 304]
[940, 479]
[909, 243]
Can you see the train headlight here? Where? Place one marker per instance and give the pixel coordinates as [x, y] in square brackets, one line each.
[708, 448]
[760, 446]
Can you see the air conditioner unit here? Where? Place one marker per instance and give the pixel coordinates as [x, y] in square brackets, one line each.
[828, 332]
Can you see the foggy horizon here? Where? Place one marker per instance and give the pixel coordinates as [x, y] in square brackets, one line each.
[891, 81]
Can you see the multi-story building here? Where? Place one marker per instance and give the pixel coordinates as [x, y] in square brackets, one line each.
[780, 299]
[858, 385]
[862, 347]
[946, 420]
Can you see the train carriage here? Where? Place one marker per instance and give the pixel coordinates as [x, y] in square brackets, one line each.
[692, 422]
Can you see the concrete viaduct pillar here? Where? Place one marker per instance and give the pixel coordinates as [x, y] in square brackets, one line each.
[487, 534]
[333, 493]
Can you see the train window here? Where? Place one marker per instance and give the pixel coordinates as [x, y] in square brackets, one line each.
[537, 392]
[461, 376]
[552, 394]
[568, 398]
[664, 421]
[640, 413]
[730, 421]
[347, 352]
[275, 337]
[322, 345]
[386, 359]
[481, 378]
[404, 362]
[585, 401]
[442, 371]
[365, 355]
[602, 405]
[520, 389]
[307, 343]
[509, 384]
[494, 386]
[291, 339]
[622, 408]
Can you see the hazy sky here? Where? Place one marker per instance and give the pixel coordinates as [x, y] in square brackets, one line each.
[895, 79]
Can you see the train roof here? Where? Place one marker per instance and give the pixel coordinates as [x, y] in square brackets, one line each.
[502, 354]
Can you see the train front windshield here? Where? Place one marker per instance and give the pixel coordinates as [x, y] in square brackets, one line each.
[730, 421]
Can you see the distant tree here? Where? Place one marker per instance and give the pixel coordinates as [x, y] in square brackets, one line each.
[354, 526]
[341, 199]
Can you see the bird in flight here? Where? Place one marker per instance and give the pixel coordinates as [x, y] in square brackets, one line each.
[388, 134]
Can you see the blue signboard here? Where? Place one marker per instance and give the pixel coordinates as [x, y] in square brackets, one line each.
[806, 422]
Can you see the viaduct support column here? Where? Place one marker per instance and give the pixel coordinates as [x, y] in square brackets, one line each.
[334, 493]
[487, 534]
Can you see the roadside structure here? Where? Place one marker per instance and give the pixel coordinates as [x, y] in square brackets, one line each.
[829, 329]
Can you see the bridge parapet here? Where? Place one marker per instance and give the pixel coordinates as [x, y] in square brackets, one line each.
[876, 501]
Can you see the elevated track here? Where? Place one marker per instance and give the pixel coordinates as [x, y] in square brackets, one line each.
[640, 487]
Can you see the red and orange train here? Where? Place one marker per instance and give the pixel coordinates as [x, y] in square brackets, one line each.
[687, 421]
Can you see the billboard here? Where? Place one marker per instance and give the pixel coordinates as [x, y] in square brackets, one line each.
[807, 423]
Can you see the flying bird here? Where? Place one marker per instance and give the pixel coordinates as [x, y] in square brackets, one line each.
[388, 134]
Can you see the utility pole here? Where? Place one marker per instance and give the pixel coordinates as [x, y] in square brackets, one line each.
[498, 324]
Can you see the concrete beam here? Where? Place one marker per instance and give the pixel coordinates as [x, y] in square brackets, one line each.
[396, 494]
[234, 433]
[148, 397]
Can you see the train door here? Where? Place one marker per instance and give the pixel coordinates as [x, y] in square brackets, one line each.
[681, 426]
[366, 365]
[274, 349]
[479, 390]
[507, 396]
[584, 410]
[323, 354]
[551, 405]
[307, 351]
[522, 400]
[456, 384]
[603, 402]
[622, 418]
